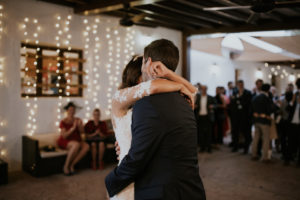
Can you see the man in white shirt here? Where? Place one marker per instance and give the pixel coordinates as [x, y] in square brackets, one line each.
[204, 111]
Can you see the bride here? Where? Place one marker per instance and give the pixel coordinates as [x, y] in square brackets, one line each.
[133, 89]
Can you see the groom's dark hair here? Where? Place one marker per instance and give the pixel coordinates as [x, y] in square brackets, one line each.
[164, 51]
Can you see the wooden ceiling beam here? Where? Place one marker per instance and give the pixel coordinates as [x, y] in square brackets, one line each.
[109, 5]
[59, 2]
[268, 26]
[140, 23]
[174, 12]
[182, 9]
[268, 15]
[162, 21]
[230, 15]
[150, 10]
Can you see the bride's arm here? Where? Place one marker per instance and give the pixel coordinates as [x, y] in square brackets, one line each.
[159, 70]
[125, 98]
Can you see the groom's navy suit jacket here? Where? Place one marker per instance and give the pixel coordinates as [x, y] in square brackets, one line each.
[162, 160]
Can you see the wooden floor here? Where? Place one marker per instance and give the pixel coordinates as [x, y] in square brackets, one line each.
[226, 176]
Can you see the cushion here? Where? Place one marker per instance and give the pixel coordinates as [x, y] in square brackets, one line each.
[57, 152]
[46, 139]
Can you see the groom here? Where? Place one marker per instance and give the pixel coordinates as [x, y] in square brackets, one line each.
[162, 160]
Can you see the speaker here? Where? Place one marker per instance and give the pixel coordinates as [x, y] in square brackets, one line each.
[3, 172]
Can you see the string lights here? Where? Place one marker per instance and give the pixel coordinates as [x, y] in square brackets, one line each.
[1, 21]
[282, 72]
[114, 59]
[2, 71]
[92, 47]
[86, 35]
[35, 28]
[62, 38]
[2, 82]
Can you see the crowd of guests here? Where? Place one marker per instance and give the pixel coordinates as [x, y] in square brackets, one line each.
[95, 138]
[275, 118]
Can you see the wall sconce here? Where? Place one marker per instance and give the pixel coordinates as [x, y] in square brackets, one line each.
[259, 74]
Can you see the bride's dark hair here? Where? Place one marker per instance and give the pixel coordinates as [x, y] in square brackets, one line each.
[132, 72]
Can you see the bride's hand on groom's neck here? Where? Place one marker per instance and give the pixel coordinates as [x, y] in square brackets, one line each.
[117, 148]
[157, 69]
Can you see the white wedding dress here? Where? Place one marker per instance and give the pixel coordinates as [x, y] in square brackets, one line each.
[122, 128]
[123, 135]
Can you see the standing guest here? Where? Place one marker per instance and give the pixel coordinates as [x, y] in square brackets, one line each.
[226, 125]
[204, 111]
[290, 87]
[258, 87]
[231, 89]
[241, 116]
[275, 131]
[230, 110]
[261, 107]
[284, 127]
[294, 118]
[220, 116]
[96, 136]
[70, 129]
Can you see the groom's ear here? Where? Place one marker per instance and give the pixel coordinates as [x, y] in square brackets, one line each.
[149, 59]
[146, 59]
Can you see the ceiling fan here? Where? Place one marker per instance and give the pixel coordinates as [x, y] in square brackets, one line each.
[129, 19]
[258, 6]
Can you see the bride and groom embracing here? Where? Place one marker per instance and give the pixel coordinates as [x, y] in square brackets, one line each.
[154, 124]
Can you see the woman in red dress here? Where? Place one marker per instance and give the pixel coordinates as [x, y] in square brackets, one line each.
[70, 129]
[96, 136]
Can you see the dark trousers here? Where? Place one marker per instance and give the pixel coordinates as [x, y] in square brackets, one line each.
[204, 132]
[244, 127]
[285, 139]
[220, 131]
[294, 147]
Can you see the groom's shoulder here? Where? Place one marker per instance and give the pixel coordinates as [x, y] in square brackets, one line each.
[158, 100]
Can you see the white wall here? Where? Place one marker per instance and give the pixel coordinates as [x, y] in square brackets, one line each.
[12, 107]
[204, 71]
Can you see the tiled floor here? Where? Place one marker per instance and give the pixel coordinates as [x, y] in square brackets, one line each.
[226, 175]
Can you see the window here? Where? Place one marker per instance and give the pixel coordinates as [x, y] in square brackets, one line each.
[48, 71]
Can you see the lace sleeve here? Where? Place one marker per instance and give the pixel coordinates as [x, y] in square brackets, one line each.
[125, 98]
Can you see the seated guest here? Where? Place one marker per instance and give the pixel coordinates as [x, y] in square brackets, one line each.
[262, 109]
[70, 129]
[96, 135]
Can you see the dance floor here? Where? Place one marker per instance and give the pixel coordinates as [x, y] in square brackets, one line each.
[226, 175]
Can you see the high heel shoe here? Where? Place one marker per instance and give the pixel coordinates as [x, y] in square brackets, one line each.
[72, 171]
[66, 173]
